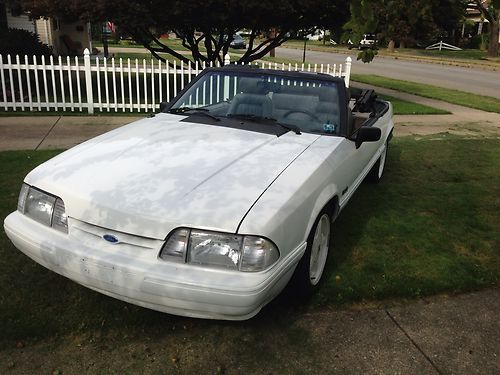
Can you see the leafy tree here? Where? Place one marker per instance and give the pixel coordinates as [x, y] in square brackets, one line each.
[491, 11]
[407, 22]
[205, 27]
[22, 42]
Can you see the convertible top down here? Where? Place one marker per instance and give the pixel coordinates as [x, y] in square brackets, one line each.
[208, 208]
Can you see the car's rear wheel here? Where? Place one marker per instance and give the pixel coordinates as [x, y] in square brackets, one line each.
[310, 268]
[377, 171]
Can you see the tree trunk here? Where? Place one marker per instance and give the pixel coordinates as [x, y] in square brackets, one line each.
[272, 53]
[391, 45]
[105, 45]
[493, 44]
[3, 18]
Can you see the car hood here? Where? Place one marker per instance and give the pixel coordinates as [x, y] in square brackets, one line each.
[157, 174]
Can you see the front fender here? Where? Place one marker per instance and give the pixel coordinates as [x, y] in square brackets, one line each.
[286, 212]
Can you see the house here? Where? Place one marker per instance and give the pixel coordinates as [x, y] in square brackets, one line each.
[473, 15]
[65, 38]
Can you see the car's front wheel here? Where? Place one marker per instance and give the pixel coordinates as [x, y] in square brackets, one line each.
[311, 266]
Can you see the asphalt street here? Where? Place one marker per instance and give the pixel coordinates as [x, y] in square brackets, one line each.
[477, 81]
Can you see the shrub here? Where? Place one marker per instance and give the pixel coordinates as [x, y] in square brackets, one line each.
[22, 42]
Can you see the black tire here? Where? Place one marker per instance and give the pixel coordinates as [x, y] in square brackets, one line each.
[377, 171]
[309, 271]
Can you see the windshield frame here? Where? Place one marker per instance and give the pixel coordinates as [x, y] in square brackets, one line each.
[248, 70]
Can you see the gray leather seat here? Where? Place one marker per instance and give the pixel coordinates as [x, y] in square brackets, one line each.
[253, 99]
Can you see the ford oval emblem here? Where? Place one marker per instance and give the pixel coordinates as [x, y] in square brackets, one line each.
[110, 238]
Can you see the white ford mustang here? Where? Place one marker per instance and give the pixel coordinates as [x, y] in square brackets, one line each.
[208, 209]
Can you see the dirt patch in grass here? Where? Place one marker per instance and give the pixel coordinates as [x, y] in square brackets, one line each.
[409, 125]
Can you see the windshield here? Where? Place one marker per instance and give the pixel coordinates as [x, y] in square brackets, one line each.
[310, 105]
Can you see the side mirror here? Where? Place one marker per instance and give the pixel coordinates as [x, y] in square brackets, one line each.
[367, 134]
[163, 106]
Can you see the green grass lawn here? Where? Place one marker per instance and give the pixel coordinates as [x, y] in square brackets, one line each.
[143, 56]
[472, 54]
[484, 103]
[175, 44]
[432, 225]
[148, 56]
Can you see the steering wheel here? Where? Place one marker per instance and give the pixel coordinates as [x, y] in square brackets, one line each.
[310, 114]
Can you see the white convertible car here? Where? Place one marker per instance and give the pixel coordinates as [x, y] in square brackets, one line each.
[208, 208]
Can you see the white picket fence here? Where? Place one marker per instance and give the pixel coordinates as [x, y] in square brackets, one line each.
[109, 85]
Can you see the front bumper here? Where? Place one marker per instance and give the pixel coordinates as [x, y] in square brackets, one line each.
[147, 281]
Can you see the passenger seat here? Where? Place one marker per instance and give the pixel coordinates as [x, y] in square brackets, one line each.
[252, 99]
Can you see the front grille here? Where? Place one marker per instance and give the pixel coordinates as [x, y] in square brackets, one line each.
[93, 236]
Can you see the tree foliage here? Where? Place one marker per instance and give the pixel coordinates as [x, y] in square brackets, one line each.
[205, 27]
[22, 42]
[491, 11]
[408, 22]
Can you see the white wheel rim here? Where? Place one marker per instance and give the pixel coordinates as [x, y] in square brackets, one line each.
[381, 164]
[319, 249]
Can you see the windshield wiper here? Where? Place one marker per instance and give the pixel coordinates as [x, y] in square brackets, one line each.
[194, 111]
[268, 120]
[185, 109]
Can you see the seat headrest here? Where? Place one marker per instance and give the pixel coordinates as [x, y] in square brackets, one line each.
[328, 94]
[290, 101]
[252, 86]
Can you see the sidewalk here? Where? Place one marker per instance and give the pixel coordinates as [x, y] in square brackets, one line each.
[438, 335]
[55, 132]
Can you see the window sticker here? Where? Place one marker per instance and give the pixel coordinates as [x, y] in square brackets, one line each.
[329, 128]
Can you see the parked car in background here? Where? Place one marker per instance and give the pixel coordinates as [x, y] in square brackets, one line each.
[368, 41]
[238, 42]
[317, 35]
[209, 208]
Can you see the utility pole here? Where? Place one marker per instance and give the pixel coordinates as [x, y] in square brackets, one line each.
[104, 34]
[304, 52]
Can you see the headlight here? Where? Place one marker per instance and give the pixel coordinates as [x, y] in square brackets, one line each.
[222, 250]
[42, 207]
